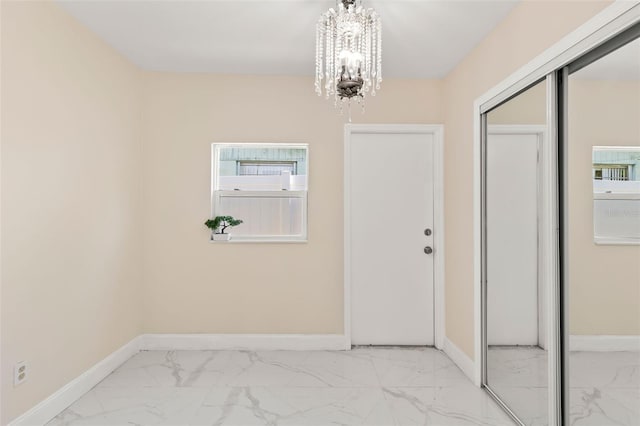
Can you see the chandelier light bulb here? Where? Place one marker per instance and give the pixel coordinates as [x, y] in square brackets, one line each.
[348, 53]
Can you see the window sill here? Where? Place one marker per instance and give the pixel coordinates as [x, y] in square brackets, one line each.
[261, 241]
[612, 241]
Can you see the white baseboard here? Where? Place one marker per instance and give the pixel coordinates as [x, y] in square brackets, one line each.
[72, 391]
[605, 343]
[460, 358]
[291, 342]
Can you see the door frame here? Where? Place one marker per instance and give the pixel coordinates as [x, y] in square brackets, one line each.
[546, 255]
[437, 131]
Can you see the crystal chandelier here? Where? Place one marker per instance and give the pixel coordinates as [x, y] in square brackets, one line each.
[348, 53]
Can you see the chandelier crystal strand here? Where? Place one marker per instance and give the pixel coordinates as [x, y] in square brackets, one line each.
[319, 73]
[332, 69]
[329, 53]
[348, 53]
[373, 60]
[367, 66]
[378, 53]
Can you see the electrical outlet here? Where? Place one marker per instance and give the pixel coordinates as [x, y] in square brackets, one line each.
[20, 373]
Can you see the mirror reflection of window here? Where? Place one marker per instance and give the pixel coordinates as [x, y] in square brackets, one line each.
[616, 163]
[616, 195]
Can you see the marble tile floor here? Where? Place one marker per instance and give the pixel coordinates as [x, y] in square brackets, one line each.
[365, 386]
[604, 386]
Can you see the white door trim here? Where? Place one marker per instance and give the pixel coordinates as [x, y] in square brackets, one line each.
[612, 20]
[437, 131]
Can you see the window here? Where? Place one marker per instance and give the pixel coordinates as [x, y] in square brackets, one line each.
[264, 185]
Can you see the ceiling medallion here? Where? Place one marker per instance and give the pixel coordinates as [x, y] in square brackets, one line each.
[348, 53]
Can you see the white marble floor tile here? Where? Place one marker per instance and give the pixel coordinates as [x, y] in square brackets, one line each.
[375, 387]
[519, 376]
[530, 404]
[86, 411]
[399, 367]
[595, 407]
[294, 406]
[366, 386]
[517, 366]
[455, 405]
[134, 406]
[337, 369]
[605, 370]
[168, 368]
[311, 369]
[246, 369]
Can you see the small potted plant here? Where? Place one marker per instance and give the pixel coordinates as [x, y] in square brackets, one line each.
[219, 225]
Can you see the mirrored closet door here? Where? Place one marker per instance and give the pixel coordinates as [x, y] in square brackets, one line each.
[560, 241]
[514, 183]
[601, 204]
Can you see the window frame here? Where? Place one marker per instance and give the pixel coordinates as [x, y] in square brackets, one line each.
[217, 194]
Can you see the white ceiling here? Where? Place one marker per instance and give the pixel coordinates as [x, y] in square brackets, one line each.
[621, 64]
[421, 39]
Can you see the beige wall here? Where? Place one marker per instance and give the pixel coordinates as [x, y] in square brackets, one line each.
[528, 30]
[604, 293]
[70, 201]
[194, 286]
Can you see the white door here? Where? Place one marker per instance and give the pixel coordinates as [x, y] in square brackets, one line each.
[390, 188]
[512, 239]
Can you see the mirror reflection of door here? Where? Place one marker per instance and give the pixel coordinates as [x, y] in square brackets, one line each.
[603, 205]
[512, 197]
